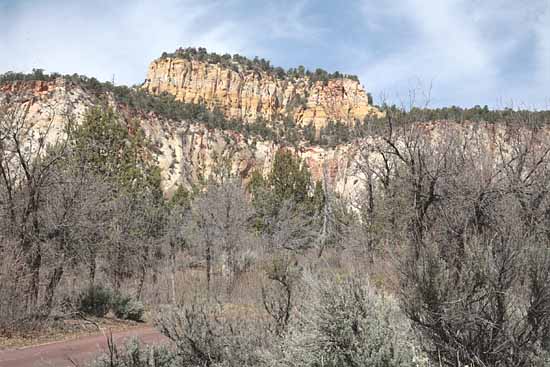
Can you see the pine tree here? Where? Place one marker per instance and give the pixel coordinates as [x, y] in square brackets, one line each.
[116, 152]
[289, 178]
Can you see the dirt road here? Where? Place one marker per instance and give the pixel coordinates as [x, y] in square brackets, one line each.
[81, 351]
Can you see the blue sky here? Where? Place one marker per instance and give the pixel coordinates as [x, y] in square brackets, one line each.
[441, 52]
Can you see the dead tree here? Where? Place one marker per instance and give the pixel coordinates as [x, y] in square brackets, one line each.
[27, 160]
[220, 221]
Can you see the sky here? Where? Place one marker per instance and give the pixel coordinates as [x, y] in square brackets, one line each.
[411, 52]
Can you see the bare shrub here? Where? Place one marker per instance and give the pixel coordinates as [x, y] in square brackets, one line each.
[133, 354]
[279, 295]
[212, 335]
[486, 308]
[13, 317]
[472, 211]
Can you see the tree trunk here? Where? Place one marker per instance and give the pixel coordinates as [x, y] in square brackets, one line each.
[52, 286]
[117, 281]
[326, 213]
[173, 272]
[92, 270]
[208, 269]
[34, 264]
[141, 281]
[118, 272]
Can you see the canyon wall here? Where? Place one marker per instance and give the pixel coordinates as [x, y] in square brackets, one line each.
[250, 94]
[187, 153]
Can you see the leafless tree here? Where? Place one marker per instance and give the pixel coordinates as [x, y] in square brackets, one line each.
[220, 228]
[279, 296]
[133, 240]
[176, 231]
[473, 209]
[291, 229]
[73, 215]
[27, 161]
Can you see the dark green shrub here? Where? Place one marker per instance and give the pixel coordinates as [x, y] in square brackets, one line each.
[95, 300]
[127, 308]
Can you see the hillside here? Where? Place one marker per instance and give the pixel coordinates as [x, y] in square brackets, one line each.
[187, 150]
[190, 143]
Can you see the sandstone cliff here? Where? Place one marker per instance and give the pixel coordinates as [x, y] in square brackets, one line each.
[187, 153]
[251, 94]
[190, 153]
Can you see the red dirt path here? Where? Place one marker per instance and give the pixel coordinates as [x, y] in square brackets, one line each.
[81, 351]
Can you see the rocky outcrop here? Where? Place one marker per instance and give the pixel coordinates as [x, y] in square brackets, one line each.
[250, 94]
[187, 153]
[46, 106]
[190, 153]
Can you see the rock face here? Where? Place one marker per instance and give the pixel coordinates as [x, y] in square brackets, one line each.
[249, 95]
[186, 153]
[190, 153]
[46, 106]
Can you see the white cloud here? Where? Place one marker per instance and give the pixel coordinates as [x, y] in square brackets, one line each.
[542, 32]
[466, 48]
[445, 48]
[474, 51]
[101, 39]
[290, 20]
